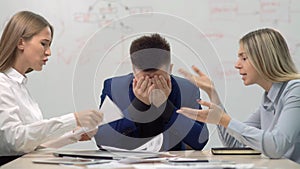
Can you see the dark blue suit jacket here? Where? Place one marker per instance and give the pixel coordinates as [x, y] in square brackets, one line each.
[177, 129]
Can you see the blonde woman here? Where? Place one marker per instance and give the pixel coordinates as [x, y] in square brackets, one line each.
[274, 129]
[24, 47]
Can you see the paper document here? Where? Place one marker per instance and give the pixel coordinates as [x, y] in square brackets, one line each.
[110, 111]
[69, 161]
[154, 145]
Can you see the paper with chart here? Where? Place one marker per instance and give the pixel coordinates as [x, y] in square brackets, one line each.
[154, 145]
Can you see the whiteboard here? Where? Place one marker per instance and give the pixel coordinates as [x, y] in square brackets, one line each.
[92, 38]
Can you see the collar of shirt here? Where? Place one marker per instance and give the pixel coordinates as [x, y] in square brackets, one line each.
[270, 97]
[16, 76]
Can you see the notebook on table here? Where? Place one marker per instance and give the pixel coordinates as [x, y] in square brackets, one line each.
[234, 151]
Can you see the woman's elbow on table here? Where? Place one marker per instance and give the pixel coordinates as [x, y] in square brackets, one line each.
[276, 146]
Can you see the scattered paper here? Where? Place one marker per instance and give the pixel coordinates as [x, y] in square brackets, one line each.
[154, 145]
[110, 111]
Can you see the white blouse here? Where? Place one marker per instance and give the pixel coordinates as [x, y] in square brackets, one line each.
[22, 127]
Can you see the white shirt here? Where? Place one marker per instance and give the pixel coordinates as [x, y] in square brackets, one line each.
[22, 127]
[274, 128]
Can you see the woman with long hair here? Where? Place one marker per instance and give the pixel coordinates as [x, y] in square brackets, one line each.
[274, 129]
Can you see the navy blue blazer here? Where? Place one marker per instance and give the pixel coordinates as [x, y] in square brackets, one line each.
[177, 129]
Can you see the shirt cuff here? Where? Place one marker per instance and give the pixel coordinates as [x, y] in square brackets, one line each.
[139, 105]
[69, 121]
[66, 139]
[235, 128]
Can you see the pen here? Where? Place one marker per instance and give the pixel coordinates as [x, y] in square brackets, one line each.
[186, 162]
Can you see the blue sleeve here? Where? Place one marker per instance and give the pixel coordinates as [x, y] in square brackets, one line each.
[281, 139]
[198, 135]
[119, 134]
[193, 133]
[197, 138]
[110, 134]
[229, 140]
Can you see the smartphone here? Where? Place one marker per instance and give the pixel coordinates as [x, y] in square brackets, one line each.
[185, 161]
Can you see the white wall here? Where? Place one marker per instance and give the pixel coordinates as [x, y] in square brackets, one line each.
[91, 42]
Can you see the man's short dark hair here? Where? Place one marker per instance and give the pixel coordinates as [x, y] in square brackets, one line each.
[150, 52]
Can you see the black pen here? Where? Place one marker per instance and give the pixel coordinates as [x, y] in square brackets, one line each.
[186, 162]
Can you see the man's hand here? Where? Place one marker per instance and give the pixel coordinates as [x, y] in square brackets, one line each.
[142, 88]
[161, 91]
[154, 90]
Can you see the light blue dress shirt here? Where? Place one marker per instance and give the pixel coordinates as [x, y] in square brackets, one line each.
[274, 129]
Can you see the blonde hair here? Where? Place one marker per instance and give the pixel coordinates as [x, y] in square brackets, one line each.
[269, 54]
[24, 24]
